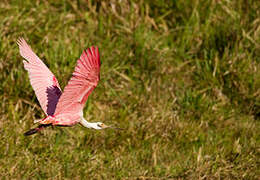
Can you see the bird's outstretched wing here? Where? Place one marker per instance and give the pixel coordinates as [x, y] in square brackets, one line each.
[44, 83]
[83, 81]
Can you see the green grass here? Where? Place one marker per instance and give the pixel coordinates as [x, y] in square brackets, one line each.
[181, 77]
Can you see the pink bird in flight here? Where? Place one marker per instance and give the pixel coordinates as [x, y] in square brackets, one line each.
[62, 109]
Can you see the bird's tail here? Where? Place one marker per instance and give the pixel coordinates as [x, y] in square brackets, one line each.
[35, 130]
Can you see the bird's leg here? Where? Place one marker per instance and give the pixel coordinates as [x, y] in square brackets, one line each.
[47, 120]
[37, 120]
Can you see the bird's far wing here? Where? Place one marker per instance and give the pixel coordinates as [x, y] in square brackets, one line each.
[83, 81]
[44, 83]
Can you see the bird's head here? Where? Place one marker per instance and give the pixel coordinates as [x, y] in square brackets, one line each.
[96, 125]
[100, 125]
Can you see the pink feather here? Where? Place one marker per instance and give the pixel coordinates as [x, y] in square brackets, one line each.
[83, 81]
[61, 108]
[43, 81]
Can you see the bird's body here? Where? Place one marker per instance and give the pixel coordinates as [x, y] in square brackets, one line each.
[64, 109]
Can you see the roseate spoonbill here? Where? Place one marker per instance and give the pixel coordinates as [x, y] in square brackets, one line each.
[62, 109]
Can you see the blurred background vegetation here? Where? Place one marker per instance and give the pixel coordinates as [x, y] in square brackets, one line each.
[181, 77]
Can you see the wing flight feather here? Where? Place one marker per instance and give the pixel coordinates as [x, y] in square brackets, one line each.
[83, 81]
[44, 83]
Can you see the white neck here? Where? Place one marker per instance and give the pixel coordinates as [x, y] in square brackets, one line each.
[87, 124]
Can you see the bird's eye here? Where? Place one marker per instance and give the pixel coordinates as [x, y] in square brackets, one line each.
[100, 125]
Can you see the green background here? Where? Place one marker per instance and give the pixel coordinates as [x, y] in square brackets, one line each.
[181, 77]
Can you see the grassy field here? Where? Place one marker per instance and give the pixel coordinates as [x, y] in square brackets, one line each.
[181, 77]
